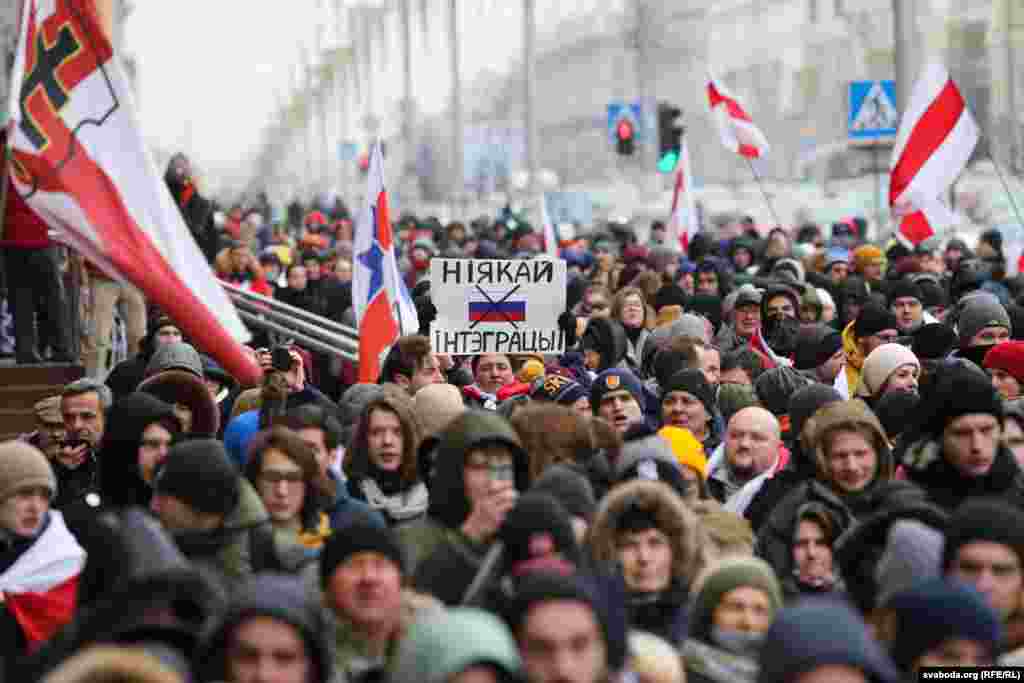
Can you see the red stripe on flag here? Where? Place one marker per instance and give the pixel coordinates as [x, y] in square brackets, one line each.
[377, 331]
[40, 615]
[750, 151]
[383, 222]
[678, 189]
[131, 251]
[732, 106]
[915, 227]
[930, 131]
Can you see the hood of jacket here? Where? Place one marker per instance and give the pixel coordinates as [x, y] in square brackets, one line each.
[853, 415]
[358, 465]
[673, 518]
[283, 598]
[121, 483]
[445, 643]
[474, 428]
[608, 338]
[181, 386]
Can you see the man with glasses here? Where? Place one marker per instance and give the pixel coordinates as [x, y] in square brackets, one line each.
[746, 320]
[875, 325]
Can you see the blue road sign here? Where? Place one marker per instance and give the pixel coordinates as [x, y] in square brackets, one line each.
[347, 151]
[873, 112]
[632, 111]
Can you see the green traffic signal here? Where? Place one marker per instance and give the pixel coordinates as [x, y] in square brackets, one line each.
[668, 162]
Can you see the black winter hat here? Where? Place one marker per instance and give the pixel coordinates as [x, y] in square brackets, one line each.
[534, 529]
[806, 401]
[360, 536]
[933, 341]
[905, 289]
[570, 488]
[958, 391]
[873, 319]
[199, 473]
[933, 294]
[892, 410]
[709, 306]
[982, 519]
[669, 295]
[775, 387]
[815, 346]
[692, 382]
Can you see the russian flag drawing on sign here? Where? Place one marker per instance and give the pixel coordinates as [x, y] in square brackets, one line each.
[506, 311]
[496, 306]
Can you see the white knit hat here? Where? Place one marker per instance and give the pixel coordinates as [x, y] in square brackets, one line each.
[880, 364]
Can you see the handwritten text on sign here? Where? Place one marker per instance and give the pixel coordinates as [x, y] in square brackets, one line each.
[497, 306]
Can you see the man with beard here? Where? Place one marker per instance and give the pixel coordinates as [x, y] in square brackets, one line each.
[752, 442]
[780, 307]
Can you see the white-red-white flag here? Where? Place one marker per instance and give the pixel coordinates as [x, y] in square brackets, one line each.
[683, 224]
[78, 159]
[936, 139]
[737, 130]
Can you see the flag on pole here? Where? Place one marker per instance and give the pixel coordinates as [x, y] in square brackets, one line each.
[550, 236]
[384, 310]
[737, 130]
[936, 139]
[681, 231]
[78, 159]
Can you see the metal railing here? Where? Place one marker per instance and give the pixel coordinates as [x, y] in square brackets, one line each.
[310, 331]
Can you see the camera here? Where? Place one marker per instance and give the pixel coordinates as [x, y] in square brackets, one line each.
[281, 358]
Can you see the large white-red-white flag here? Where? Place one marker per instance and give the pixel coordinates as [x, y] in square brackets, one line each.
[384, 310]
[683, 224]
[550, 234]
[78, 159]
[936, 139]
[737, 130]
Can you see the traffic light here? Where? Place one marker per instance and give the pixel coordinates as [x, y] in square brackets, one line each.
[625, 135]
[670, 137]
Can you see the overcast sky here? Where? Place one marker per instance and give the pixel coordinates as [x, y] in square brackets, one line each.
[213, 65]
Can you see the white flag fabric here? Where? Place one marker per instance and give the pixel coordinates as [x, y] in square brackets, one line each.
[683, 224]
[550, 236]
[936, 139]
[79, 161]
[737, 130]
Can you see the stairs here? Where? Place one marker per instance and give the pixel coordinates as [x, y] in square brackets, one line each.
[21, 386]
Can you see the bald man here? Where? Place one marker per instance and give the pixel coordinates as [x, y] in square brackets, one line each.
[752, 448]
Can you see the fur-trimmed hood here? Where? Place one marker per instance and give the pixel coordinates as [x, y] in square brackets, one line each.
[181, 386]
[674, 519]
[855, 415]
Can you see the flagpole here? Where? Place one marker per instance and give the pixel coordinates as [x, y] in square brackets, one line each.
[1006, 188]
[764, 192]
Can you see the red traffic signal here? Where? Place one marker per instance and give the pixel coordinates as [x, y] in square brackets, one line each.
[624, 135]
[624, 130]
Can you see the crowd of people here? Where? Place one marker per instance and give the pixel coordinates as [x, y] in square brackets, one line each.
[784, 458]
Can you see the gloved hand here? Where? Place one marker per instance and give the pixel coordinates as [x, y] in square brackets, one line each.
[426, 312]
[567, 323]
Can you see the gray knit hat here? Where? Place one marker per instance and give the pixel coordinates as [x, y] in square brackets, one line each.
[175, 356]
[912, 554]
[978, 313]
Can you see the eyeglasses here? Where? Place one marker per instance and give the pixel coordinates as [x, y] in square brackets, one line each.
[499, 470]
[274, 478]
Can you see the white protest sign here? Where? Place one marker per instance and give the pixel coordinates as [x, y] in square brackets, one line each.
[497, 306]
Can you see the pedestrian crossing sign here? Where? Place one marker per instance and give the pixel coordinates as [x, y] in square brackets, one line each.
[873, 112]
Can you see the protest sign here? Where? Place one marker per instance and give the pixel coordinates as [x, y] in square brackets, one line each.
[497, 306]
